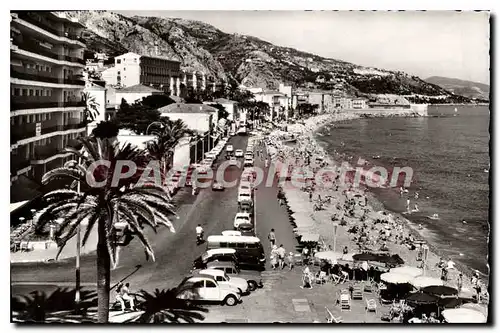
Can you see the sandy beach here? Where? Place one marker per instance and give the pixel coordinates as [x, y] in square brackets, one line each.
[354, 205]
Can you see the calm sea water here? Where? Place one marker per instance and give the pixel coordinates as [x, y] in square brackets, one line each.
[449, 155]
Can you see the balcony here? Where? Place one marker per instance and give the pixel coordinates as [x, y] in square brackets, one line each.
[26, 131]
[20, 105]
[43, 153]
[17, 163]
[30, 18]
[34, 47]
[35, 77]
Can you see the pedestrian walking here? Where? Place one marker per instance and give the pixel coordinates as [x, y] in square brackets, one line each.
[290, 260]
[310, 196]
[408, 205]
[460, 282]
[272, 238]
[281, 256]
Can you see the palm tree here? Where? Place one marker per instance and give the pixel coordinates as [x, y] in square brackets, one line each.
[162, 306]
[107, 208]
[58, 307]
[167, 138]
[91, 110]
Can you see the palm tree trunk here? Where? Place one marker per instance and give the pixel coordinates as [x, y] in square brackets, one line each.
[103, 274]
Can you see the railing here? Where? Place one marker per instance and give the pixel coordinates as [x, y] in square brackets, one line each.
[41, 105]
[38, 49]
[46, 153]
[35, 77]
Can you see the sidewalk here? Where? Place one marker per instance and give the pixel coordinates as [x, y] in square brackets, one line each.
[69, 250]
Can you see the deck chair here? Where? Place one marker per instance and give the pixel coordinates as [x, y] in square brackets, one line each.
[345, 302]
[331, 318]
[371, 305]
[334, 278]
[344, 278]
[321, 277]
[357, 293]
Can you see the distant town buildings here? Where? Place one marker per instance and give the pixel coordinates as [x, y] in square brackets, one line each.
[198, 117]
[46, 85]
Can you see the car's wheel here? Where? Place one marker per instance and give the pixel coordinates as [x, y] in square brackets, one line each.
[252, 285]
[231, 300]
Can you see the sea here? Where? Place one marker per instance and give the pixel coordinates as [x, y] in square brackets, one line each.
[450, 156]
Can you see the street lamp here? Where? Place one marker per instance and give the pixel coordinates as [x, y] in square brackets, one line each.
[335, 226]
[154, 122]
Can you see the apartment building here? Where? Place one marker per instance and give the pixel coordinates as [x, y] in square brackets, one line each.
[132, 69]
[46, 85]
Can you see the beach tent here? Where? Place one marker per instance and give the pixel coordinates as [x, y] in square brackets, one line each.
[425, 281]
[408, 270]
[395, 278]
[463, 316]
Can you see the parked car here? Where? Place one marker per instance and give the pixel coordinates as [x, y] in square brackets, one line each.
[223, 279]
[248, 161]
[204, 288]
[219, 254]
[249, 250]
[233, 161]
[253, 278]
[229, 148]
[246, 229]
[244, 196]
[238, 153]
[217, 186]
[241, 218]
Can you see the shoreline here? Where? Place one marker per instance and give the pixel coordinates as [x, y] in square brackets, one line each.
[404, 225]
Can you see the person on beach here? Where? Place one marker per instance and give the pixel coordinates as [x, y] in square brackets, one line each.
[274, 261]
[310, 195]
[459, 282]
[416, 208]
[416, 195]
[408, 205]
[305, 255]
[401, 191]
[306, 278]
[272, 238]
[267, 163]
[345, 251]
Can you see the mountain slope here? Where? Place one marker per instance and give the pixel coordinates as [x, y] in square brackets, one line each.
[461, 87]
[244, 59]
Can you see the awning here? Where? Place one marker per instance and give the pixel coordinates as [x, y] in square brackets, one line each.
[310, 238]
[16, 205]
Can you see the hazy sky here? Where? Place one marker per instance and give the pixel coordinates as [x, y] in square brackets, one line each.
[446, 43]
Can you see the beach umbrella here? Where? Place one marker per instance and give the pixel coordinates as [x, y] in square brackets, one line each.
[425, 281]
[440, 290]
[463, 316]
[328, 255]
[422, 298]
[365, 257]
[408, 270]
[476, 307]
[395, 278]
[347, 257]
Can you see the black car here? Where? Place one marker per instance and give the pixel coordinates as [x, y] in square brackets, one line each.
[222, 255]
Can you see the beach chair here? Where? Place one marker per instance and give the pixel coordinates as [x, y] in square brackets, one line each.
[321, 277]
[331, 318]
[344, 277]
[345, 302]
[334, 278]
[371, 305]
[357, 293]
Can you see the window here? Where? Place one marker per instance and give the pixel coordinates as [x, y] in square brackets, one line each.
[198, 284]
[25, 92]
[210, 284]
[220, 278]
[50, 92]
[36, 92]
[17, 92]
[31, 92]
[118, 61]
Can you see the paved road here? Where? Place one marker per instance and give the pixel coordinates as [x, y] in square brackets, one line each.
[174, 252]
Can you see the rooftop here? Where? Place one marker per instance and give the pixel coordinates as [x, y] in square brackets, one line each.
[138, 88]
[224, 101]
[187, 108]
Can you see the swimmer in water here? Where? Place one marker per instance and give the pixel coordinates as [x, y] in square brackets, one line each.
[420, 226]
[416, 208]
[464, 222]
[416, 195]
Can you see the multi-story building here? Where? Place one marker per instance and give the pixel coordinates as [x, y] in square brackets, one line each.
[46, 109]
[132, 69]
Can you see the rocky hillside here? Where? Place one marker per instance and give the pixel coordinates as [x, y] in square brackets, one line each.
[462, 87]
[245, 59]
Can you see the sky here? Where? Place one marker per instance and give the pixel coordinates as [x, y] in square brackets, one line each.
[433, 43]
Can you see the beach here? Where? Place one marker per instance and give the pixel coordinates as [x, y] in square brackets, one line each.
[344, 202]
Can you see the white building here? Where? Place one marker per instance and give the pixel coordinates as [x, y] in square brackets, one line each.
[198, 117]
[359, 103]
[98, 93]
[135, 93]
[230, 106]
